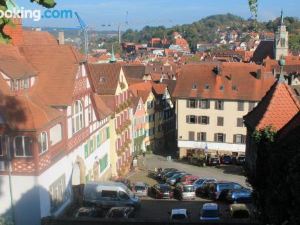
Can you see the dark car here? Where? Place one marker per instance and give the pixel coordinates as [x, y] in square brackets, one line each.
[213, 161]
[219, 190]
[120, 213]
[170, 174]
[203, 189]
[226, 159]
[241, 160]
[161, 191]
[243, 195]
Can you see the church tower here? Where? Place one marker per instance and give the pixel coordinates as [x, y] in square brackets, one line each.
[281, 40]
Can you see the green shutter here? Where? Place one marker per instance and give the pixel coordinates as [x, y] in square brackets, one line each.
[107, 133]
[86, 150]
[98, 140]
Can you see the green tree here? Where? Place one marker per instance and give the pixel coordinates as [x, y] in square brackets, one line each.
[5, 21]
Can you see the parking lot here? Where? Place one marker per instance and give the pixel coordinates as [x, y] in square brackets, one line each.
[158, 209]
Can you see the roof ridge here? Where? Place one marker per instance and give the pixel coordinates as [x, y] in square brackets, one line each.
[296, 101]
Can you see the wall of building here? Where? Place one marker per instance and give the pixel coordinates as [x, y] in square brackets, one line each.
[230, 115]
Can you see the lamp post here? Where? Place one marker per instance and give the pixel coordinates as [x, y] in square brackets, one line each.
[9, 158]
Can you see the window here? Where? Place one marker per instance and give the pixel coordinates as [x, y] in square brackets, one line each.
[103, 163]
[123, 195]
[204, 104]
[1, 146]
[191, 119]
[240, 106]
[194, 86]
[206, 87]
[55, 134]
[239, 139]
[219, 137]
[150, 104]
[22, 146]
[192, 136]
[219, 105]
[58, 193]
[220, 121]
[203, 120]
[43, 142]
[77, 117]
[251, 106]
[192, 103]
[240, 122]
[201, 136]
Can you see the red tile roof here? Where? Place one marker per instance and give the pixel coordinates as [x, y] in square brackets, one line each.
[105, 77]
[102, 109]
[236, 81]
[276, 108]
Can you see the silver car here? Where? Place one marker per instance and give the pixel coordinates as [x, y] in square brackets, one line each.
[140, 189]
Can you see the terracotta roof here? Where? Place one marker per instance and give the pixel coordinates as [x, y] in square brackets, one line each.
[159, 89]
[276, 108]
[142, 89]
[27, 112]
[57, 66]
[103, 110]
[235, 81]
[291, 130]
[13, 64]
[34, 38]
[105, 77]
[134, 73]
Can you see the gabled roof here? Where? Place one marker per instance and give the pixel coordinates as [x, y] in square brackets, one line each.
[13, 64]
[276, 108]
[33, 38]
[102, 110]
[26, 112]
[105, 77]
[234, 81]
[57, 66]
[134, 71]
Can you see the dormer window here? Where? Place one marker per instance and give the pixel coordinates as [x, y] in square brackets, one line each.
[206, 87]
[194, 87]
[102, 79]
[20, 84]
[234, 88]
[222, 87]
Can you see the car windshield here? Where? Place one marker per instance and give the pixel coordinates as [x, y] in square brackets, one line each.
[188, 189]
[199, 181]
[178, 217]
[210, 213]
[164, 188]
[225, 186]
[140, 188]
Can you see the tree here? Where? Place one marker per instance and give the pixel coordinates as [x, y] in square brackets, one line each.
[5, 21]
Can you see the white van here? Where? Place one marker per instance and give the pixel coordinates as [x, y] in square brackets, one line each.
[109, 194]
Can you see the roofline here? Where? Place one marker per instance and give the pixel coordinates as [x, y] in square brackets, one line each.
[225, 99]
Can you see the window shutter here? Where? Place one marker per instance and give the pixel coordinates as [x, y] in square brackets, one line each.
[208, 104]
[199, 119]
[216, 137]
[224, 139]
[187, 103]
[208, 120]
[234, 138]
[187, 119]
[216, 104]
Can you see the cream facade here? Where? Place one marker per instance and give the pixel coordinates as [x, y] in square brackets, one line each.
[211, 125]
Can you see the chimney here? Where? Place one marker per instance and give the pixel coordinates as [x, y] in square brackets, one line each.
[61, 38]
[15, 31]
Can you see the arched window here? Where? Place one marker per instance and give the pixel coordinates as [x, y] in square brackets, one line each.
[43, 142]
[77, 117]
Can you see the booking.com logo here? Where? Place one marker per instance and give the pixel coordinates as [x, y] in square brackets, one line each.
[36, 15]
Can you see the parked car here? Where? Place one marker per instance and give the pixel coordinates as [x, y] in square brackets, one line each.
[170, 174]
[226, 159]
[162, 191]
[214, 161]
[243, 195]
[241, 160]
[109, 194]
[239, 211]
[175, 178]
[202, 186]
[184, 191]
[217, 190]
[210, 212]
[188, 179]
[179, 215]
[90, 212]
[140, 189]
[120, 213]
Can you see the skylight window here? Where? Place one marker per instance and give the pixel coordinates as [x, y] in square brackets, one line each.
[102, 79]
[222, 87]
[206, 87]
[194, 86]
